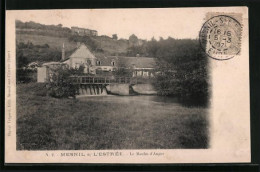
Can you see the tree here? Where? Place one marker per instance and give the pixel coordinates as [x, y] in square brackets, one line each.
[90, 42]
[152, 47]
[60, 83]
[122, 70]
[133, 51]
[182, 71]
[114, 36]
[133, 40]
[21, 60]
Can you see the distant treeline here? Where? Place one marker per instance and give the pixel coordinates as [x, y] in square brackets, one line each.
[41, 29]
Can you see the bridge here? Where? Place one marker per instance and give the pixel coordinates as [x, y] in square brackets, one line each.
[97, 85]
[90, 80]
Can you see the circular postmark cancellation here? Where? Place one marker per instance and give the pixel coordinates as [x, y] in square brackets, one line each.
[220, 37]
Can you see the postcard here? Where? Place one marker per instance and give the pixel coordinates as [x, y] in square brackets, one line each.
[136, 86]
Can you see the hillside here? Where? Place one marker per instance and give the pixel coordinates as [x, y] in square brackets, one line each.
[57, 35]
[53, 42]
[108, 45]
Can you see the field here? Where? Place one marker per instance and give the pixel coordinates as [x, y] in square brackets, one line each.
[45, 123]
[53, 42]
[110, 46]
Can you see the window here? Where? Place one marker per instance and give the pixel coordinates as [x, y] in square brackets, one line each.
[89, 62]
[145, 73]
[98, 63]
[113, 63]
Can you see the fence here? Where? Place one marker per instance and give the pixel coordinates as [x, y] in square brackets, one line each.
[103, 80]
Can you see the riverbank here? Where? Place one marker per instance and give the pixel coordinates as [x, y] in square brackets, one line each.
[46, 123]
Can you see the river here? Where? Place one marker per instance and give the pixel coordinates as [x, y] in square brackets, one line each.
[141, 99]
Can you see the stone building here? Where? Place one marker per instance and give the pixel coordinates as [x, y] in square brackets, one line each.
[82, 57]
[83, 31]
[94, 63]
[141, 66]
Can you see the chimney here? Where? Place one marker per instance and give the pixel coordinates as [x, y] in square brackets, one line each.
[63, 53]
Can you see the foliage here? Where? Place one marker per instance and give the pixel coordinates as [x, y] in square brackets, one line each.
[60, 83]
[137, 50]
[91, 43]
[133, 40]
[182, 70]
[114, 36]
[122, 70]
[28, 52]
[24, 75]
[21, 61]
[41, 29]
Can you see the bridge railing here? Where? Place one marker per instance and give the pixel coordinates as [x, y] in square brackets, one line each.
[102, 80]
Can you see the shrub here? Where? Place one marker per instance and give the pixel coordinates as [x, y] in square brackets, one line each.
[60, 84]
[25, 75]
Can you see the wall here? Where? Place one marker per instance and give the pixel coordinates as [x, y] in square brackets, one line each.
[119, 89]
[41, 74]
[144, 89]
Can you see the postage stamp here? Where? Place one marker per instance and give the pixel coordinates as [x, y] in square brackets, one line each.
[220, 36]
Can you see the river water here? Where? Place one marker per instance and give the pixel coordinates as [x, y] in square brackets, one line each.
[141, 99]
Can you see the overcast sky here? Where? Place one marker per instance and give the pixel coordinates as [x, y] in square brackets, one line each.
[144, 23]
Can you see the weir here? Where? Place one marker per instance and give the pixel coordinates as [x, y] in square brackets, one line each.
[96, 85]
[92, 89]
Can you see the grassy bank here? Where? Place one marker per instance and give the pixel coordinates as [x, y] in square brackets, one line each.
[45, 123]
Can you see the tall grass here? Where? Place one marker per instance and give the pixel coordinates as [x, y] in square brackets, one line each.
[45, 123]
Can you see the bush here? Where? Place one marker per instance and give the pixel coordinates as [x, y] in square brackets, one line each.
[28, 52]
[25, 75]
[60, 84]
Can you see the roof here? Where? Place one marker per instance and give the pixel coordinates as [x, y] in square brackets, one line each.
[82, 51]
[137, 62]
[33, 63]
[107, 60]
[51, 63]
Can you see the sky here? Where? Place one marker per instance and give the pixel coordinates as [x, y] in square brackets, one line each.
[179, 23]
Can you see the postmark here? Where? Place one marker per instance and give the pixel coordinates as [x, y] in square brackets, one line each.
[220, 37]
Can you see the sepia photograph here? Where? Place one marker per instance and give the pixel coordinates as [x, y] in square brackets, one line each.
[94, 80]
[81, 89]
